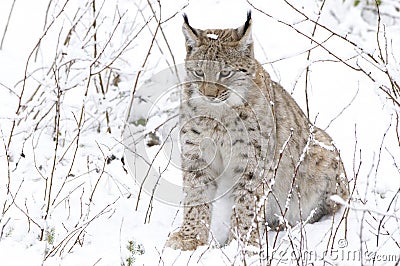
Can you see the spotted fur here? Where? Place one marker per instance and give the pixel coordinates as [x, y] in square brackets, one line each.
[249, 154]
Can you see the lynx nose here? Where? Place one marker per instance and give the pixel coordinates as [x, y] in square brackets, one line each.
[211, 90]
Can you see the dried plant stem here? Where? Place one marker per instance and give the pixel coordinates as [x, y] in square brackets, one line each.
[7, 24]
[144, 64]
[50, 179]
[308, 59]
[20, 97]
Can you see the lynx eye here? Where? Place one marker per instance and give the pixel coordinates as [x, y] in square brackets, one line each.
[198, 73]
[225, 73]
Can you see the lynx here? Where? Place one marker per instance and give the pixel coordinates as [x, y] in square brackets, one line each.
[250, 156]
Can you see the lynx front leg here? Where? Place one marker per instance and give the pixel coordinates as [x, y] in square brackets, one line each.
[194, 231]
[244, 219]
[196, 217]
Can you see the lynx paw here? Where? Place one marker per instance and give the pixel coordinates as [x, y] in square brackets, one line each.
[179, 241]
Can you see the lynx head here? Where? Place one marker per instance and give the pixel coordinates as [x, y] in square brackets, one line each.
[219, 62]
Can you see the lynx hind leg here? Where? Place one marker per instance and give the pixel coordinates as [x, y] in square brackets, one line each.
[194, 231]
[325, 159]
[321, 178]
[329, 170]
[327, 207]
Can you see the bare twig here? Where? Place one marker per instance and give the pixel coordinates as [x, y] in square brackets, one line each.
[308, 58]
[343, 110]
[26, 70]
[6, 27]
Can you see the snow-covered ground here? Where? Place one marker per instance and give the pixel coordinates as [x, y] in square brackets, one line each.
[69, 191]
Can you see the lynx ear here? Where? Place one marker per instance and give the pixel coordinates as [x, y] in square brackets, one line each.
[244, 35]
[191, 35]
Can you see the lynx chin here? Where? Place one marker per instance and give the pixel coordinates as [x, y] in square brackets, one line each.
[251, 159]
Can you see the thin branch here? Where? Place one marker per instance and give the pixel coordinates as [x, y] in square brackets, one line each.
[6, 27]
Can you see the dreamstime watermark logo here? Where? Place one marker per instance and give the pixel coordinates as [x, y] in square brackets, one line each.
[342, 254]
[165, 134]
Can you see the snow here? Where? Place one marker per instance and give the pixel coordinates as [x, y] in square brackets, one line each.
[212, 36]
[97, 213]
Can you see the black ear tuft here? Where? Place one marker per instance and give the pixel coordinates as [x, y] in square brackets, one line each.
[247, 23]
[186, 20]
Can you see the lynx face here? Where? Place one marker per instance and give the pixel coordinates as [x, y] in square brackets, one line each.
[213, 71]
[212, 82]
